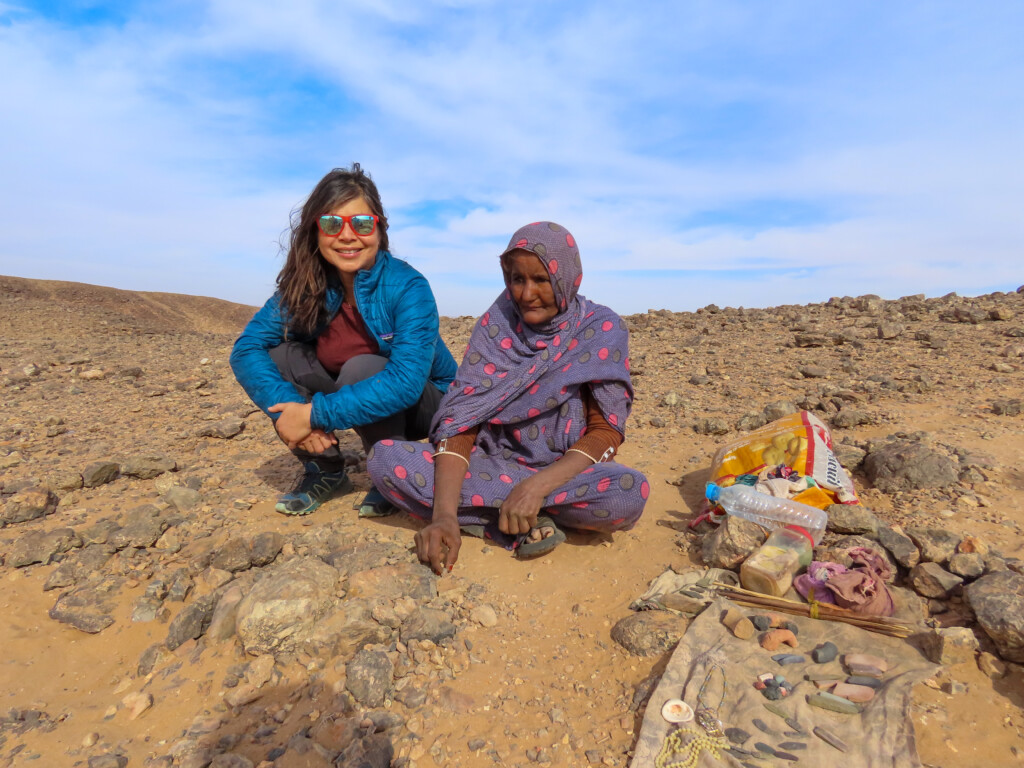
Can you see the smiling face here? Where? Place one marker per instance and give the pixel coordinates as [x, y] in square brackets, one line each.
[349, 252]
[530, 285]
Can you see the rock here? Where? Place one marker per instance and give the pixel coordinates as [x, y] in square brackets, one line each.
[714, 425]
[285, 605]
[222, 622]
[751, 421]
[100, 473]
[991, 665]
[900, 546]
[908, 466]
[731, 543]
[373, 751]
[191, 622]
[234, 556]
[64, 480]
[28, 505]
[850, 456]
[937, 545]
[231, 760]
[87, 608]
[260, 669]
[143, 527]
[806, 340]
[147, 467]
[850, 417]
[182, 498]
[852, 518]
[224, 429]
[950, 645]
[335, 732]
[369, 676]
[344, 631]
[42, 546]
[266, 547]
[997, 600]
[649, 633]
[137, 703]
[932, 580]
[969, 565]
[427, 624]
[78, 566]
[242, 695]
[1007, 407]
[484, 615]
[824, 653]
[887, 330]
[393, 581]
[108, 761]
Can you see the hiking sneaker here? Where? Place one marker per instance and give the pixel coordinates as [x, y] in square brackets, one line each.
[315, 487]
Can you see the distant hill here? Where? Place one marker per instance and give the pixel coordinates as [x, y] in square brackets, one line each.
[56, 307]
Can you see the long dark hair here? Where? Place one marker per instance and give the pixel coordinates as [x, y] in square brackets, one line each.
[302, 281]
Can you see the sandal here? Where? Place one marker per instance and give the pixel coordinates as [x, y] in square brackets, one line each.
[530, 549]
[375, 505]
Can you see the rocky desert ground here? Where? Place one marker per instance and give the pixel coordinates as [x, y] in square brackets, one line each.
[158, 613]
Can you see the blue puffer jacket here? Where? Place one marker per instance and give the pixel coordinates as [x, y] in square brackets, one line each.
[398, 307]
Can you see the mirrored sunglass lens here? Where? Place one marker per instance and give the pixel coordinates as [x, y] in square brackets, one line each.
[331, 225]
[362, 225]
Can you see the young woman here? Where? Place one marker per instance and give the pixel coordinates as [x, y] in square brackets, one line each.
[348, 341]
[524, 438]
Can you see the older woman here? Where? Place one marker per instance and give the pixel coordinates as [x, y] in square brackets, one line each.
[524, 439]
[349, 341]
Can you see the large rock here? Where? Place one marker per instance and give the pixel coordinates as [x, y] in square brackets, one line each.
[903, 465]
[29, 504]
[285, 605]
[78, 566]
[88, 608]
[900, 546]
[998, 603]
[852, 518]
[649, 633]
[949, 645]
[932, 580]
[369, 677]
[427, 624]
[732, 542]
[345, 630]
[100, 473]
[42, 546]
[192, 621]
[147, 467]
[937, 545]
[394, 581]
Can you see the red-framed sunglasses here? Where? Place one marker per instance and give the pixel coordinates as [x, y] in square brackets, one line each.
[362, 224]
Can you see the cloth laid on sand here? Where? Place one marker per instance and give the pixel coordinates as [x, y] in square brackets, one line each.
[860, 588]
[688, 592]
[881, 736]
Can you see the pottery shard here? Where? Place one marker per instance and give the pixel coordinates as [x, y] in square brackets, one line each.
[649, 633]
[731, 543]
[28, 505]
[903, 465]
[949, 645]
[998, 603]
[285, 605]
[932, 580]
[738, 624]
[772, 639]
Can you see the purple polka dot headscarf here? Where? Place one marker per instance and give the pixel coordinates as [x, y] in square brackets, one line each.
[514, 373]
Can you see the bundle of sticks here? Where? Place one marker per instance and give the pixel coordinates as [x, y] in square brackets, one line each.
[882, 624]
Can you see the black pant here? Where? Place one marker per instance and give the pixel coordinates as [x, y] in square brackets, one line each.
[298, 364]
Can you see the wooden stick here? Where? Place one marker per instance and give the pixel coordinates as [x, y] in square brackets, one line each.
[881, 624]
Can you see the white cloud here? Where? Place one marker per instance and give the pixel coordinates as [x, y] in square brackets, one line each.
[170, 150]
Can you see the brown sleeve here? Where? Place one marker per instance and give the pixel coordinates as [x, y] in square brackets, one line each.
[601, 440]
[461, 443]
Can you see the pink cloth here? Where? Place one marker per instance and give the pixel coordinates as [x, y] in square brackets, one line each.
[860, 588]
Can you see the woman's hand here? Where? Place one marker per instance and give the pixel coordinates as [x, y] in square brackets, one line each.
[293, 424]
[439, 543]
[518, 513]
[318, 441]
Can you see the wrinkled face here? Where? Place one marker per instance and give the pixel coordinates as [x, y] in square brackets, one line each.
[349, 252]
[531, 288]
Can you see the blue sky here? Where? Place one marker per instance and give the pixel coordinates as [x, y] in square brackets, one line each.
[735, 153]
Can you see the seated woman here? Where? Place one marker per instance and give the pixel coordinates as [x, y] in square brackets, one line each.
[349, 341]
[524, 438]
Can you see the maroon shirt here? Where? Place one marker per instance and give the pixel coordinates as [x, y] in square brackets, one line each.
[344, 338]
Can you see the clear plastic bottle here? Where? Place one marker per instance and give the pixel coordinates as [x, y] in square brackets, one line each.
[770, 570]
[768, 511]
